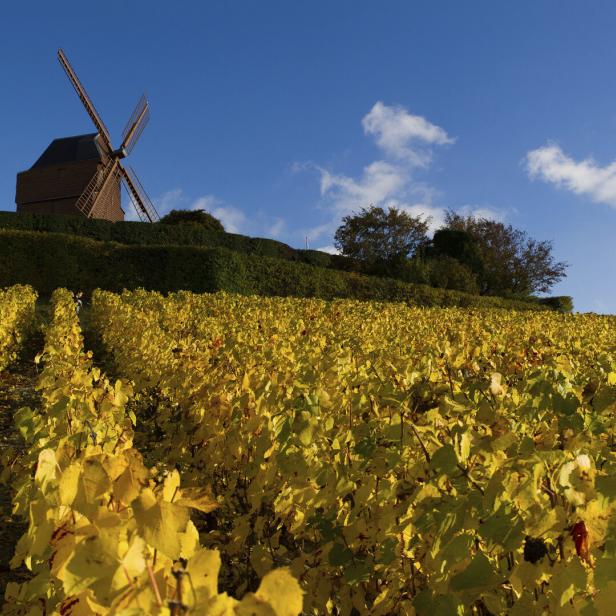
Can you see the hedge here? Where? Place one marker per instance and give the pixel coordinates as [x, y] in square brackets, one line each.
[145, 234]
[560, 303]
[50, 260]
[169, 235]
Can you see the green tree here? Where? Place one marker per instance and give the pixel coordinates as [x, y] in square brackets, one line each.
[447, 272]
[507, 261]
[195, 217]
[376, 236]
[459, 245]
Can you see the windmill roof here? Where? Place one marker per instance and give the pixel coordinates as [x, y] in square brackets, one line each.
[69, 149]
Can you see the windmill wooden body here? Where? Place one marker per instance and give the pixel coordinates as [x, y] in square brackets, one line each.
[82, 175]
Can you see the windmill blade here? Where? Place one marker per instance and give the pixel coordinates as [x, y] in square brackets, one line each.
[85, 99]
[141, 202]
[96, 187]
[135, 125]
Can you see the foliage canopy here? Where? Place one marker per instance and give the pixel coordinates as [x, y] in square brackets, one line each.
[505, 260]
[196, 217]
[375, 235]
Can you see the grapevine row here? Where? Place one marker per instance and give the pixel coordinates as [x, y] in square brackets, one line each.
[106, 534]
[17, 307]
[398, 460]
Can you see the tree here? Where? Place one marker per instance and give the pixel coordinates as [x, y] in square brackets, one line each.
[446, 272]
[457, 244]
[195, 217]
[510, 263]
[375, 236]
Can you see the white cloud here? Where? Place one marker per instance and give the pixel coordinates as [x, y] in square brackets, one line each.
[381, 184]
[407, 142]
[276, 228]
[231, 217]
[483, 211]
[332, 250]
[207, 203]
[400, 133]
[380, 181]
[434, 214]
[169, 200]
[585, 177]
[384, 183]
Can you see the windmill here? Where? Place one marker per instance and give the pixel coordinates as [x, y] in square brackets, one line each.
[83, 174]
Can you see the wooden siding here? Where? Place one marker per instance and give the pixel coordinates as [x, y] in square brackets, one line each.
[55, 190]
[108, 205]
[54, 182]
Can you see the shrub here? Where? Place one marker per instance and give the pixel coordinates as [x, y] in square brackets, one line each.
[193, 217]
[448, 273]
[560, 303]
[142, 233]
[408, 270]
[50, 260]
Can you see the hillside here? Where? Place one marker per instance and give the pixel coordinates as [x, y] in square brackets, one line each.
[393, 459]
[169, 235]
[48, 260]
[181, 257]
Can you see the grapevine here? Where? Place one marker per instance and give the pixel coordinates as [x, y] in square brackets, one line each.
[17, 309]
[397, 460]
[106, 534]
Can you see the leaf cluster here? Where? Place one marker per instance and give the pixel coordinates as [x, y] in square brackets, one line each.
[375, 235]
[17, 310]
[505, 260]
[397, 460]
[193, 217]
[107, 534]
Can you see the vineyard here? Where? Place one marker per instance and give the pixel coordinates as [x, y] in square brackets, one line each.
[224, 454]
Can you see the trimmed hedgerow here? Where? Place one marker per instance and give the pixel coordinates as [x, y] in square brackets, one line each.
[50, 260]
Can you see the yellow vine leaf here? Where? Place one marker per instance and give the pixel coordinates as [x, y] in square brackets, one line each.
[203, 568]
[128, 485]
[282, 591]
[160, 522]
[69, 483]
[131, 565]
[171, 486]
[496, 387]
[197, 498]
[46, 469]
[189, 540]
[90, 567]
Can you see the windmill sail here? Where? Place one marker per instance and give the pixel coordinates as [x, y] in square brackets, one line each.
[85, 99]
[100, 195]
[96, 190]
[141, 202]
[135, 125]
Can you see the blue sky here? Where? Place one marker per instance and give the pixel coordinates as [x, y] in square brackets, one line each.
[281, 116]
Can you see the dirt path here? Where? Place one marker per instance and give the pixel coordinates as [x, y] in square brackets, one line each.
[16, 390]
